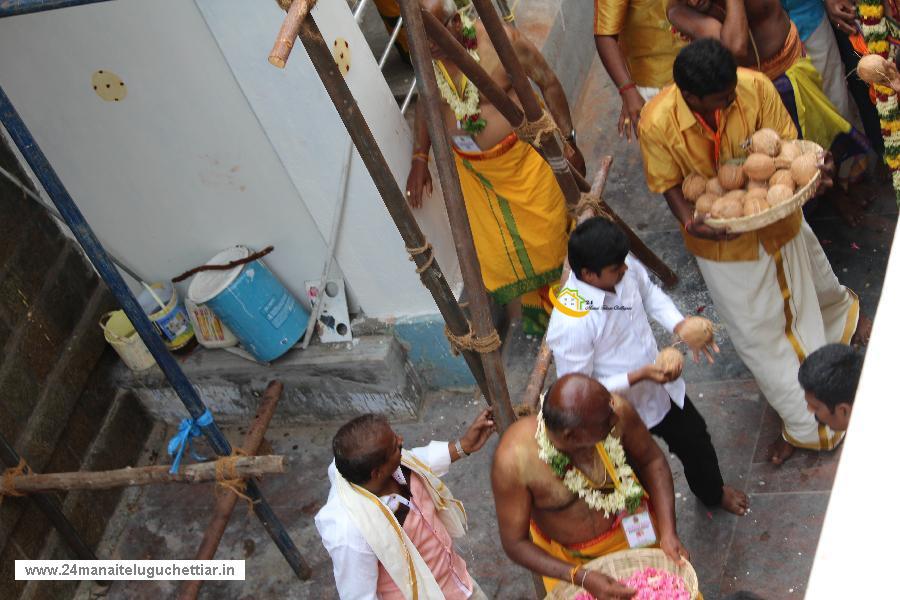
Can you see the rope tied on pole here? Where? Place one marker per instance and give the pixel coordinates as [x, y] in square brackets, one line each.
[9, 489]
[227, 477]
[181, 441]
[414, 252]
[470, 342]
[589, 201]
[533, 132]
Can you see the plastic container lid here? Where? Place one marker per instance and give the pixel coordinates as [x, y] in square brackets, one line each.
[206, 285]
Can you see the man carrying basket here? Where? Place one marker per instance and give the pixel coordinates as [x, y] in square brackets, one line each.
[773, 288]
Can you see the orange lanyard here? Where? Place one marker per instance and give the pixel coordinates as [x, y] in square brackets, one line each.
[715, 135]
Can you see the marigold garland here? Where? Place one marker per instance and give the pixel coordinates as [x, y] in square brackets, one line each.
[875, 33]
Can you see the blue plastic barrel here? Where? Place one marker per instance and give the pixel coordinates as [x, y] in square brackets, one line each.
[253, 303]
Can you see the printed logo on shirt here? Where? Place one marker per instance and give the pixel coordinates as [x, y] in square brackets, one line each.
[569, 302]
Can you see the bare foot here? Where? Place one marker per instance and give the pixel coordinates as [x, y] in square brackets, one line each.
[863, 331]
[780, 451]
[735, 501]
[850, 210]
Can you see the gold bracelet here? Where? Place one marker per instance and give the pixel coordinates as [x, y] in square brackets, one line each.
[420, 156]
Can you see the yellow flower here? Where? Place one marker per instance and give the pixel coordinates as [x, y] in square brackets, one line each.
[870, 11]
[878, 47]
[893, 163]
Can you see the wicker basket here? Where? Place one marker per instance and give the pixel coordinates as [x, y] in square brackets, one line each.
[779, 211]
[621, 565]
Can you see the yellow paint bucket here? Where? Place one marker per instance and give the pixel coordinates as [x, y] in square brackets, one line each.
[120, 334]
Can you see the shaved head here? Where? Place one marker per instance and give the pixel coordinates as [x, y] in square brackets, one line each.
[578, 412]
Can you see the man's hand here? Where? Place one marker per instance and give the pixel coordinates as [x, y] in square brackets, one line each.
[708, 349]
[826, 181]
[842, 14]
[418, 181]
[653, 373]
[698, 228]
[604, 586]
[671, 545]
[632, 103]
[479, 431]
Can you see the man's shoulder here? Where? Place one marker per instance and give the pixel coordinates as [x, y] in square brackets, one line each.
[519, 435]
[335, 526]
[754, 82]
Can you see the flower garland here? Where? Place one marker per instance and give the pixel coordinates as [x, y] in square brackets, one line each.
[466, 109]
[875, 33]
[627, 494]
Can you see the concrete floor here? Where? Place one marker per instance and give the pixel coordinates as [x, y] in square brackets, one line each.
[768, 552]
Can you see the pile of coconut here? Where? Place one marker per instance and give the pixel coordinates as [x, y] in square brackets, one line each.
[772, 173]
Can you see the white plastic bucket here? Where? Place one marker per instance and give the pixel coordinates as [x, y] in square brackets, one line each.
[210, 331]
[120, 334]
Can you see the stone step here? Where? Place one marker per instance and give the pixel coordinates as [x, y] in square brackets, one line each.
[325, 382]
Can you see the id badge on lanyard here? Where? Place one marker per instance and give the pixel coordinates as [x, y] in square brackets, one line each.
[639, 530]
[465, 143]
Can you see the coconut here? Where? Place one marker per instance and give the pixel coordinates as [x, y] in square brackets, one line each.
[778, 194]
[873, 68]
[697, 332]
[789, 151]
[753, 205]
[756, 193]
[693, 187]
[753, 185]
[766, 141]
[731, 177]
[759, 167]
[729, 206]
[670, 360]
[804, 168]
[714, 187]
[704, 203]
[782, 177]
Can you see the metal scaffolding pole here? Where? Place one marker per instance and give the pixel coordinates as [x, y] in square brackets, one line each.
[103, 264]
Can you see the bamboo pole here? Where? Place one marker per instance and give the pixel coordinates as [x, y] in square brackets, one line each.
[482, 323]
[49, 506]
[226, 502]
[512, 113]
[542, 363]
[393, 198]
[284, 43]
[244, 466]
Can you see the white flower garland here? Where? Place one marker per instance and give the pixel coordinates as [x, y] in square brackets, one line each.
[627, 494]
[461, 108]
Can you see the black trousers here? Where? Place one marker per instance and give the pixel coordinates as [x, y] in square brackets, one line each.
[684, 430]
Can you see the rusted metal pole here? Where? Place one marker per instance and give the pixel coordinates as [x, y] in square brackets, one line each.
[393, 198]
[284, 43]
[552, 145]
[542, 364]
[512, 113]
[482, 323]
[226, 502]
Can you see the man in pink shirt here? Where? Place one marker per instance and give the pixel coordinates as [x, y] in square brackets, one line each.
[389, 520]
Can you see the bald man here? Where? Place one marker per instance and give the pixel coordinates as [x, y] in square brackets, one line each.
[550, 526]
[515, 207]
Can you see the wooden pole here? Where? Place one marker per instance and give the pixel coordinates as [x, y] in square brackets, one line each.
[393, 198]
[226, 502]
[552, 145]
[49, 506]
[244, 466]
[512, 113]
[542, 364]
[483, 324]
[284, 43]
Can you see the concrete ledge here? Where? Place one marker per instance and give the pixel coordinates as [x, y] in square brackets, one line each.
[322, 383]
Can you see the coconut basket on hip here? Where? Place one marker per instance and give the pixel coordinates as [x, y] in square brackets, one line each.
[623, 564]
[775, 180]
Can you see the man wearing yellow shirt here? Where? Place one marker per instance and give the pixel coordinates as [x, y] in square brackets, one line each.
[637, 48]
[773, 288]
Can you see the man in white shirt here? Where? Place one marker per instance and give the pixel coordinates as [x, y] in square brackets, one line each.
[613, 343]
[389, 519]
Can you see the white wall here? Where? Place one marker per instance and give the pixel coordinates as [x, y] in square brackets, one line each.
[198, 157]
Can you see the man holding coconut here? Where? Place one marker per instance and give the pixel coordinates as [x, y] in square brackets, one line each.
[773, 288]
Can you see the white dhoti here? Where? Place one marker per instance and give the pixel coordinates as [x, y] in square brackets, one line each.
[822, 50]
[777, 309]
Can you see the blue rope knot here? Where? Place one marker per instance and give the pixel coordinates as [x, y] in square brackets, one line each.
[181, 441]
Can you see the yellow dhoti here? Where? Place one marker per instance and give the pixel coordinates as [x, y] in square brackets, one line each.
[519, 222]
